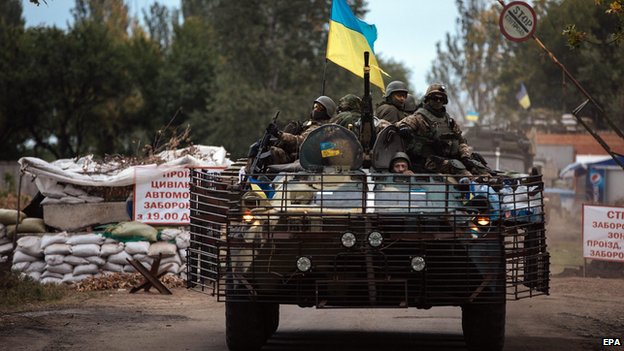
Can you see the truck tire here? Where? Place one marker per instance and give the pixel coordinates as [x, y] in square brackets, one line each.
[244, 326]
[484, 326]
[271, 318]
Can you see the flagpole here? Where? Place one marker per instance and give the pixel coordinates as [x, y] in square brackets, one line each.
[324, 71]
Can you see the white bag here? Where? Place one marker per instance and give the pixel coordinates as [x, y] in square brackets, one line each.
[162, 247]
[129, 269]
[119, 258]
[62, 268]
[85, 269]
[51, 280]
[6, 248]
[169, 234]
[84, 250]
[96, 260]
[111, 249]
[30, 245]
[46, 274]
[183, 240]
[137, 247]
[36, 276]
[75, 260]
[20, 256]
[20, 266]
[36, 266]
[54, 260]
[49, 239]
[58, 249]
[86, 239]
[112, 267]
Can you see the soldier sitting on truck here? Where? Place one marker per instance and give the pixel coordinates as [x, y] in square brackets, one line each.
[287, 148]
[433, 139]
[392, 107]
[349, 111]
[400, 163]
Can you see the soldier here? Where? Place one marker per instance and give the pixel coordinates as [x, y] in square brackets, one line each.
[287, 148]
[412, 103]
[349, 110]
[400, 163]
[391, 109]
[433, 139]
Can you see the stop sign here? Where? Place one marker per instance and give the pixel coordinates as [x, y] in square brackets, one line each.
[517, 21]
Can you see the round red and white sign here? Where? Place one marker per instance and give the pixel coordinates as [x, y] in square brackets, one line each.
[517, 21]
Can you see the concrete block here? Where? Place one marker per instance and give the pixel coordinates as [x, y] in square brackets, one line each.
[71, 217]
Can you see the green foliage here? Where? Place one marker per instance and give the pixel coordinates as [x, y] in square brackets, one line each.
[109, 85]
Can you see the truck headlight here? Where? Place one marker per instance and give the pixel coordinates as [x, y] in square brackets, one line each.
[375, 239]
[348, 240]
[483, 221]
[248, 217]
[304, 264]
[417, 263]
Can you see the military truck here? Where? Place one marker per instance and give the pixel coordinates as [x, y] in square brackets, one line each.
[337, 233]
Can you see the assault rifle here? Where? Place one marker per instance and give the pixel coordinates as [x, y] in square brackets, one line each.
[367, 123]
[258, 163]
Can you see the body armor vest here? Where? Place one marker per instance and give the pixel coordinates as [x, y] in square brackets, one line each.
[439, 139]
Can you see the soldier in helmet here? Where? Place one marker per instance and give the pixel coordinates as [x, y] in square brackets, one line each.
[287, 148]
[433, 139]
[400, 163]
[349, 110]
[411, 104]
[391, 108]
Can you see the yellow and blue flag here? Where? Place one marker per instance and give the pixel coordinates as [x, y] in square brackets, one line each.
[523, 97]
[348, 39]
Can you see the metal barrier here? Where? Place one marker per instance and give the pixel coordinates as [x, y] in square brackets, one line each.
[355, 239]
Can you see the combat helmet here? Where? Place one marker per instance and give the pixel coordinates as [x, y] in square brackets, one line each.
[395, 86]
[400, 156]
[437, 89]
[349, 102]
[329, 104]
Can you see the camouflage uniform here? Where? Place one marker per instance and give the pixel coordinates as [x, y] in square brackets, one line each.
[349, 107]
[286, 149]
[390, 109]
[434, 141]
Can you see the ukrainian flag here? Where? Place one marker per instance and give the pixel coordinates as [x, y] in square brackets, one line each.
[523, 97]
[348, 39]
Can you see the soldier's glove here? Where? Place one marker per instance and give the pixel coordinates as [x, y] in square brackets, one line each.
[273, 130]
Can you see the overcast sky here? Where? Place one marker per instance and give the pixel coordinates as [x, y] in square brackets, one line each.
[407, 30]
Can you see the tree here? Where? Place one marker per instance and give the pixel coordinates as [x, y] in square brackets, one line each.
[470, 59]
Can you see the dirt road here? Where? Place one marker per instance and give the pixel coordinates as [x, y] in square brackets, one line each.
[579, 312]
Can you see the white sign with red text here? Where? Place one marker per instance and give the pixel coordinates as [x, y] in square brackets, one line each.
[161, 194]
[603, 233]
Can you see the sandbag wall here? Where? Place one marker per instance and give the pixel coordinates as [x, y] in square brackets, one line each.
[12, 221]
[63, 258]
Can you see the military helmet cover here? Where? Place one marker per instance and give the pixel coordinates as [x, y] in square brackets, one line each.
[400, 156]
[437, 89]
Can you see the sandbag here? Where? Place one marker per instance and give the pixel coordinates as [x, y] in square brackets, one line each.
[125, 230]
[62, 268]
[20, 266]
[172, 259]
[95, 260]
[46, 274]
[85, 239]
[6, 248]
[36, 266]
[84, 250]
[119, 258]
[143, 258]
[182, 253]
[183, 240]
[51, 280]
[129, 269]
[162, 247]
[49, 239]
[30, 245]
[85, 269]
[20, 256]
[137, 247]
[112, 267]
[31, 225]
[173, 268]
[58, 249]
[8, 216]
[73, 278]
[36, 276]
[111, 249]
[54, 260]
[2, 231]
[168, 234]
[75, 260]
